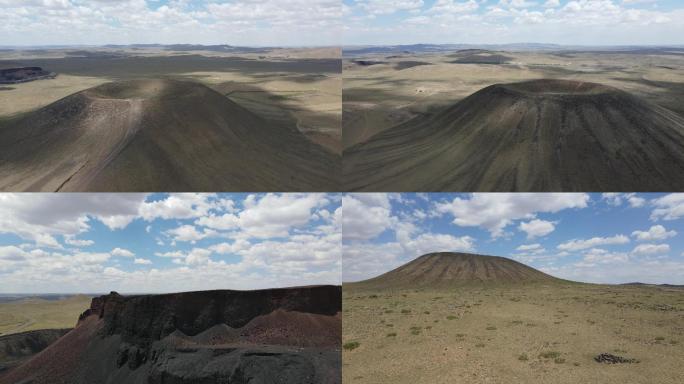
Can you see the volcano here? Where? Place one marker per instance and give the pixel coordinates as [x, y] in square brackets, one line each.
[289, 335]
[158, 135]
[541, 135]
[448, 269]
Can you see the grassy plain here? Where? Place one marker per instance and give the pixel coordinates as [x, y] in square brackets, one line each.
[36, 313]
[540, 333]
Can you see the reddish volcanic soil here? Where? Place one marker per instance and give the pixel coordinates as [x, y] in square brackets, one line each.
[55, 364]
[292, 335]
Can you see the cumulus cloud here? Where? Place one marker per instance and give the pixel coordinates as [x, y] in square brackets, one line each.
[238, 22]
[651, 249]
[189, 233]
[365, 215]
[495, 211]
[280, 240]
[537, 228]
[669, 207]
[580, 244]
[575, 22]
[121, 252]
[616, 199]
[655, 233]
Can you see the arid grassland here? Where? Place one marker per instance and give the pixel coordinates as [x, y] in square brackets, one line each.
[530, 333]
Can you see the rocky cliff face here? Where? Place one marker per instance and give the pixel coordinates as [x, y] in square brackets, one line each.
[289, 335]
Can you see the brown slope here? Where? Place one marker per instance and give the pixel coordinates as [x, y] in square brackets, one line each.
[447, 269]
[541, 135]
[157, 135]
[197, 337]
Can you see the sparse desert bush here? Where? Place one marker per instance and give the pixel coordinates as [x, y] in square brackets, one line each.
[351, 345]
[426, 312]
[392, 334]
[549, 355]
[523, 357]
[451, 317]
[415, 330]
[405, 311]
[491, 328]
[559, 360]
[659, 338]
[480, 345]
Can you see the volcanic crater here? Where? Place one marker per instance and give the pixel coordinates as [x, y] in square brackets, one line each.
[540, 135]
[158, 135]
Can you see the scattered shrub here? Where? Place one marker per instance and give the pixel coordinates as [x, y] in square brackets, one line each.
[351, 345]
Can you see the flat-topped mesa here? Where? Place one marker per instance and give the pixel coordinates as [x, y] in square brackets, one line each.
[100, 303]
[144, 318]
[287, 334]
[449, 269]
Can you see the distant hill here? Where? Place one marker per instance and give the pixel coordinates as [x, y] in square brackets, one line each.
[448, 269]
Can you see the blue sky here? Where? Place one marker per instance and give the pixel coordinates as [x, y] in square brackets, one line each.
[234, 22]
[601, 238]
[163, 243]
[572, 22]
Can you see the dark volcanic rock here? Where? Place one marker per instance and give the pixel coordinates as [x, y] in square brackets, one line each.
[18, 347]
[143, 319]
[533, 136]
[607, 358]
[289, 335]
[24, 74]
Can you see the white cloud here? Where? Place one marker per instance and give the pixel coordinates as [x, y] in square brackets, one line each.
[495, 211]
[616, 199]
[238, 22]
[304, 250]
[530, 247]
[78, 242]
[275, 215]
[436, 242]
[121, 252]
[41, 217]
[189, 233]
[537, 228]
[580, 244]
[669, 207]
[651, 249]
[655, 233]
[384, 7]
[365, 215]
